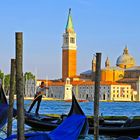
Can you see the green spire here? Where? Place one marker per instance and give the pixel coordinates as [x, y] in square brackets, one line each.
[69, 26]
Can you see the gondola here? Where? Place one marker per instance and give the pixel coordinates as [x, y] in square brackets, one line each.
[3, 108]
[128, 127]
[49, 123]
[131, 127]
[75, 125]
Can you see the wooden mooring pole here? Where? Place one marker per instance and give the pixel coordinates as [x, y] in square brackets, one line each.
[19, 86]
[11, 97]
[96, 96]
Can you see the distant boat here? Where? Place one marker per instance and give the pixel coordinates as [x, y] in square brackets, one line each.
[79, 100]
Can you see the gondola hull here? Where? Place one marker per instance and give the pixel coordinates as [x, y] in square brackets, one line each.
[117, 131]
[3, 108]
[73, 126]
[41, 122]
[115, 128]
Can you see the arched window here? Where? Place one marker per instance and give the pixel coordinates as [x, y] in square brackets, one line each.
[87, 96]
[103, 96]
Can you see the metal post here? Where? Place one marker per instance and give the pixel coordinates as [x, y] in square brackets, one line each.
[96, 96]
[11, 97]
[19, 86]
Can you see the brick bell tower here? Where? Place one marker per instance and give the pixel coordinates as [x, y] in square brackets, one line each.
[69, 50]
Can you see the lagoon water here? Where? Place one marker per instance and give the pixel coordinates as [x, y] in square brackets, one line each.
[106, 108]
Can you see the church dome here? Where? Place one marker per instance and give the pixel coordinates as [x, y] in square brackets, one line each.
[125, 60]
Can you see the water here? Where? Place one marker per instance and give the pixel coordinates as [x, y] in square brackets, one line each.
[107, 108]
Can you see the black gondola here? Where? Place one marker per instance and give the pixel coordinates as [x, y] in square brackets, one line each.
[3, 108]
[49, 123]
[75, 125]
[129, 127]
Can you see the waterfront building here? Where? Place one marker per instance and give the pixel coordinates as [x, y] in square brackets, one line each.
[108, 73]
[84, 90]
[111, 73]
[67, 90]
[132, 77]
[109, 91]
[124, 65]
[69, 50]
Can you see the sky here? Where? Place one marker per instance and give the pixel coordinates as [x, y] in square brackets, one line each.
[104, 26]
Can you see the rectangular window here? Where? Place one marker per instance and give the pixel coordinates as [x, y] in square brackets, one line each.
[66, 40]
[72, 40]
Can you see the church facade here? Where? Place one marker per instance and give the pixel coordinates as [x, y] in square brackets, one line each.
[112, 73]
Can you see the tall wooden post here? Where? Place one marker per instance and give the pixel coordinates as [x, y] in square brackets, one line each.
[19, 86]
[96, 96]
[11, 97]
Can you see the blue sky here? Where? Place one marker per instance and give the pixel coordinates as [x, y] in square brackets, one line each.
[101, 25]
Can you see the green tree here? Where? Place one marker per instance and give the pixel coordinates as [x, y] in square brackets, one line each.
[5, 81]
[1, 75]
[28, 76]
[2, 78]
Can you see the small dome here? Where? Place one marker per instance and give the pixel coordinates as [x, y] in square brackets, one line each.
[125, 60]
